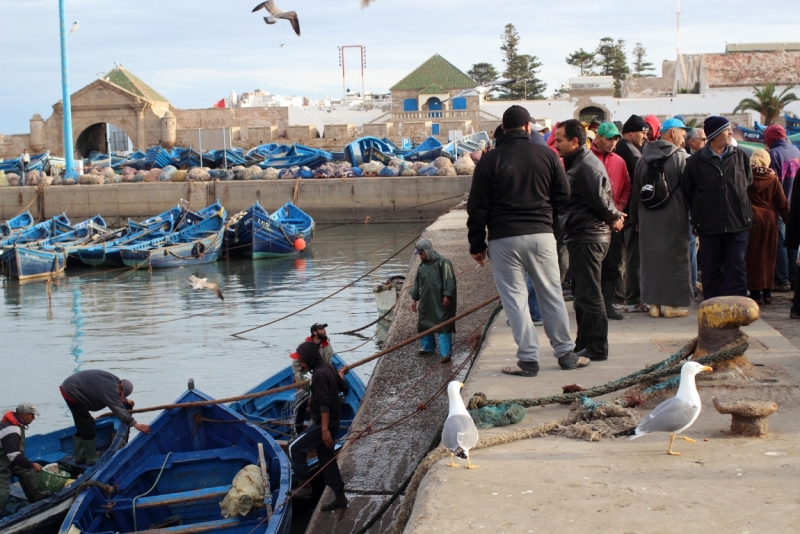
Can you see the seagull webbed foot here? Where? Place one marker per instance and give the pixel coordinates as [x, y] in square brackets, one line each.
[452, 464]
[470, 466]
[686, 438]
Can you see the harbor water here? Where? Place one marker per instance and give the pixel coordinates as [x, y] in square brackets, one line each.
[153, 329]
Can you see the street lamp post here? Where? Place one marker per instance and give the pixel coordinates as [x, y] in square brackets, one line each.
[66, 105]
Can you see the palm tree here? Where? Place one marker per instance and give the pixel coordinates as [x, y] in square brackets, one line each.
[767, 103]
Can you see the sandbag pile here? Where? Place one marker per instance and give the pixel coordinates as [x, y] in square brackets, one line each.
[464, 165]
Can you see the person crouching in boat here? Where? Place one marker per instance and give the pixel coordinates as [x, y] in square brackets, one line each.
[90, 391]
[326, 411]
[12, 455]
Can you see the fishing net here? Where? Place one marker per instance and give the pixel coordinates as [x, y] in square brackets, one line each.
[247, 492]
[497, 415]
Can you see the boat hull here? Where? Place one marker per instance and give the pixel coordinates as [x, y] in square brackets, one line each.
[199, 252]
[27, 263]
[260, 236]
[193, 454]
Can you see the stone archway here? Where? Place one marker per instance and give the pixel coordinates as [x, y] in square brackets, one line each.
[592, 111]
[94, 137]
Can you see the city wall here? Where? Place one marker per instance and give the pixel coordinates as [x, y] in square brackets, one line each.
[328, 201]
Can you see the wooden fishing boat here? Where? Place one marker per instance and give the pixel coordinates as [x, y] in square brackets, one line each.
[261, 235]
[275, 413]
[16, 223]
[37, 232]
[196, 244]
[174, 478]
[56, 447]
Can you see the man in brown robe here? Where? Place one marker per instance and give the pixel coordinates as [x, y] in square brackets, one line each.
[768, 202]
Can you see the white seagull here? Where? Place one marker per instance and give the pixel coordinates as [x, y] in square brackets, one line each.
[200, 283]
[75, 26]
[676, 414]
[459, 434]
[276, 14]
[283, 45]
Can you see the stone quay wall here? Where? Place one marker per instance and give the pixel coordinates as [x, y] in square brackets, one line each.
[401, 199]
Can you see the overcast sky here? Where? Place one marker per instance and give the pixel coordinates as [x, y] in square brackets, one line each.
[195, 52]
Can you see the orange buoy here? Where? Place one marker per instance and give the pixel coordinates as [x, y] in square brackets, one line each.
[300, 244]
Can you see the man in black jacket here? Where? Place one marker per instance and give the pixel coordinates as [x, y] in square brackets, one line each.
[715, 183]
[514, 191]
[634, 136]
[326, 412]
[587, 219]
[792, 241]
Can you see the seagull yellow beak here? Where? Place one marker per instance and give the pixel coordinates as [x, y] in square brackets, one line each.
[461, 384]
[707, 369]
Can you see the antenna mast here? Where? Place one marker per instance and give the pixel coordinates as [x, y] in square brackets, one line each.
[678, 20]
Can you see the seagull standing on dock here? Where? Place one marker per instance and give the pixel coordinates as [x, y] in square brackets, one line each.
[201, 283]
[276, 14]
[459, 434]
[676, 414]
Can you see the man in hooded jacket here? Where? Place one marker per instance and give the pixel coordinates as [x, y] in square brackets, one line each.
[665, 274]
[326, 413]
[434, 299]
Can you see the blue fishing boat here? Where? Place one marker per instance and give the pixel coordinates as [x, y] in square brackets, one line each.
[260, 235]
[358, 151]
[56, 447]
[285, 156]
[275, 413]
[106, 251]
[174, 478]
[428, 150]
[24, 263]
[43, 230]
[752, 136]
[14, 224]
[196, 244]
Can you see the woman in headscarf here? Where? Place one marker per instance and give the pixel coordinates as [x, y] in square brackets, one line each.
[768, 202]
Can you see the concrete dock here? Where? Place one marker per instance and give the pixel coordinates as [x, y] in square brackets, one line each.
[332, 200]
[554, 484]
[721, 483]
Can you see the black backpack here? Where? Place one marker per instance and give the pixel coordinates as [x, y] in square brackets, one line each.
[655, 193]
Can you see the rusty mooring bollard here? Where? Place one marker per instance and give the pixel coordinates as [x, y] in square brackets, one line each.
[718, 322]
[749, 417]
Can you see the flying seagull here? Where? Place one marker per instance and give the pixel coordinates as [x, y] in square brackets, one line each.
[459, 434]
[276, 14]
[200, 283]
[75, 26]
[283, 45]
[676, 414]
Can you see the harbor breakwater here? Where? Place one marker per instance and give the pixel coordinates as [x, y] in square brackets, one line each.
[333, 200]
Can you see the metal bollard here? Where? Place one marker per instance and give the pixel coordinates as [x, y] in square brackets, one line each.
[718, 323]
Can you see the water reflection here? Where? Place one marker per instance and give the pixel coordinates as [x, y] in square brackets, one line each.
[156, 331]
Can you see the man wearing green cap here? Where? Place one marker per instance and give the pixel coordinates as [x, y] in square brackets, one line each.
[604, 147]
[12, 455]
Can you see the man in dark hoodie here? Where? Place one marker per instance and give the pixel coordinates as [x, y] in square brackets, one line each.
[715, 183]
[90, 391]
[587, 219]
[515, 189]
[326, 412]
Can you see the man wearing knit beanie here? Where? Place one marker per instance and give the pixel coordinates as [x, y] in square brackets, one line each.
[785, 161]
[715, 183]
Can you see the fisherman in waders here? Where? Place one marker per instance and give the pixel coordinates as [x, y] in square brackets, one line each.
[12, 455]
[434, 299]
[326, 412]
[90, 391]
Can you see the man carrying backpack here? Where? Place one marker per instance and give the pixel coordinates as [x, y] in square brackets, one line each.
[658, 209]
[715, 182]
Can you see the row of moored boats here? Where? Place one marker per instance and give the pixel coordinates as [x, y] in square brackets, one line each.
[173, 479]
[176, 238]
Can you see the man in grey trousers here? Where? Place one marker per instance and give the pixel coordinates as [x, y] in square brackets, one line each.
[515, 189]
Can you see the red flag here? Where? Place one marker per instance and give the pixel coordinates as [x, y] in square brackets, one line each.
[220, 104]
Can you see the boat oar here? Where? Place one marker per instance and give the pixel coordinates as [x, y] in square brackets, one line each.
[296, 385]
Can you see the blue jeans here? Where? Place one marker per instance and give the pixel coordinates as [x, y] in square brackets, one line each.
[445, 343]
[786, 264]
[533, 302]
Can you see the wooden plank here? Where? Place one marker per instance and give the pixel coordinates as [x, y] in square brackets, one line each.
[262, 463]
